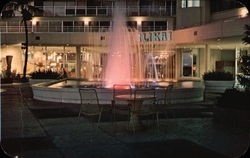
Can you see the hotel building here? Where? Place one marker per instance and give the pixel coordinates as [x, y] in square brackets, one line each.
[180, 39]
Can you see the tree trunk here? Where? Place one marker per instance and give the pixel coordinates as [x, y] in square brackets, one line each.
[26, 49]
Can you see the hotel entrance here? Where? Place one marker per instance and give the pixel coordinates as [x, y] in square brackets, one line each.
[190, 63]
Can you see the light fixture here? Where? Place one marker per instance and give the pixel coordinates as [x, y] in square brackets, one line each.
[34, 21]
[243, 12]
[86, 21]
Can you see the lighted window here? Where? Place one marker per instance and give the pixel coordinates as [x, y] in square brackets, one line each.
[190, 3]
[184, 3]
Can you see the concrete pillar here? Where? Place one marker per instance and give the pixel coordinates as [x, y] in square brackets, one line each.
[207, 58]
[64, 58]
[237, 56]
[78, 61]
[178, 64]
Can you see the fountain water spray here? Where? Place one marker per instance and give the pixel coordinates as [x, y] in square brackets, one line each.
[118, 68]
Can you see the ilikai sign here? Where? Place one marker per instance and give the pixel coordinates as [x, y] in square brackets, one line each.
[155, 36]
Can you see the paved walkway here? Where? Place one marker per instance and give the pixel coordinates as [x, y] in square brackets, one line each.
[44, 130]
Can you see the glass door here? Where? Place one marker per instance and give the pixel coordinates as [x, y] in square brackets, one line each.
[187, 63]
[190, 63]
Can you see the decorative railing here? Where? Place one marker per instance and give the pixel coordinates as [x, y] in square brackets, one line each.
[58, 29]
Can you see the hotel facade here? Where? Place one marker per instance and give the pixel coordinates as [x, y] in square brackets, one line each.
[178, 39]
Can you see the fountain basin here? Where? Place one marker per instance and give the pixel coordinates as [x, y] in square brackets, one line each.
[67, 91]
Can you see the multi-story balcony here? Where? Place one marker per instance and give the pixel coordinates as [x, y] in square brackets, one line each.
[104, 11]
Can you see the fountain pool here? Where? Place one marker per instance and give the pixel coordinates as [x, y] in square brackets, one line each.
[67, 91]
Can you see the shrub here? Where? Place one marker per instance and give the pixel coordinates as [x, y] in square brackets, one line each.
[233, 98]
[47, 75]
[9, 79]
[219, 76]
[244, 77]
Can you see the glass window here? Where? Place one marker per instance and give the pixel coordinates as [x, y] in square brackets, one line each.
[55, 26]
[80, 3]
[184, 4]
[187, 60]
[173, 7]
[53, 58]
[144, 3]
[160, 25]
[104, 26]
[48, 3]
[70, 3]
[70, 11]
[68, 26]
[132, 24]
[94, 26]
[78, 26]
[59, 8]
[190, 63]
[48, 8]
[13, 26]
[148, 26]
[93, 3]
[190, 3]
[59, 3]
[42, 26]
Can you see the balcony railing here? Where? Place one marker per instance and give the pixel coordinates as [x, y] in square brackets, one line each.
[60, 29]
[104, 11]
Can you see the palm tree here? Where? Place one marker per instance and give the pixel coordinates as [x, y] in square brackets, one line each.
[246, 38]
[246, 3]
[27, 11]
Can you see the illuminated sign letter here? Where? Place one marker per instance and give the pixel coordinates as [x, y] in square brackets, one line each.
[156, 37]
[142, 37]
[169, 35]
[163, 36]
[147, 39]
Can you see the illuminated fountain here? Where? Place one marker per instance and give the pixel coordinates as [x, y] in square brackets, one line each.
[151, 67]
[129, 60]
[118, 69]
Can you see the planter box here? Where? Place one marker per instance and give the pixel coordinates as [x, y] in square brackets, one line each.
[3, 81]
[36, 81]
[232, 117]
[218, 85]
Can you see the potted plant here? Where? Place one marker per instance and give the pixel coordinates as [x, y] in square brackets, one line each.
[5, 77]
[46, 76]
[218, 80]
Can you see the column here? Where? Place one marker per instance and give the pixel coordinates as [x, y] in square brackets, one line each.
[178, 64]
[78, 61]
[207, 58]
[64, 58]
[237, 56]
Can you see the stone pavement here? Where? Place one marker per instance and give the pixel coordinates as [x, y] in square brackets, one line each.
[52, 130]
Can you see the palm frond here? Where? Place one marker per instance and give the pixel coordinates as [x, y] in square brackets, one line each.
[245, 3]
[26, 15]
[246, 38]
[7, 14]
[23, 2]
[33, 9]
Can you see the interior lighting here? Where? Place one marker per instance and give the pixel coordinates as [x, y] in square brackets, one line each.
[34, 21]
[243, 12]
[138, 20]
[86, 21]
